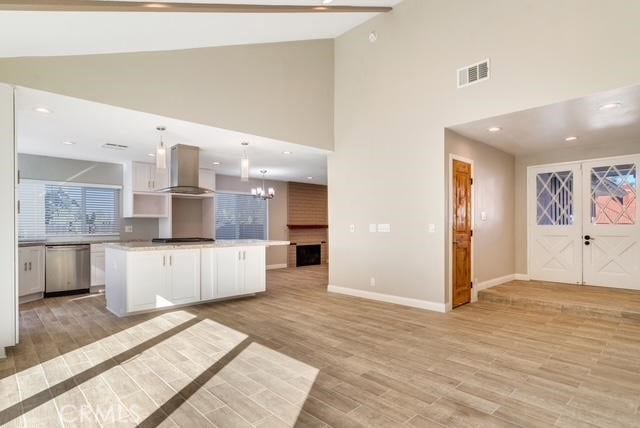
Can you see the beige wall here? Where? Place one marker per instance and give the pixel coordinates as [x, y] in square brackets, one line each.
[394, 98]
[578, 153]
[277, 211]
[280, 90]
[494, 193]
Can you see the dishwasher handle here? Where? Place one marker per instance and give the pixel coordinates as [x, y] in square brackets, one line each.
[68, 247]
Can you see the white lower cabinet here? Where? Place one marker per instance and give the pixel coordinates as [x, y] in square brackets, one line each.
[97, 265]
[233, 271]
[30, 270]
[159, 279]
[146, 280]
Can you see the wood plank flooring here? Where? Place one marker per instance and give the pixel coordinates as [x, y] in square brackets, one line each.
[300, 356]
[589, 301]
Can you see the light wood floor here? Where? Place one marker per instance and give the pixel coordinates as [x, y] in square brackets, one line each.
[300, 356]
[599, 302]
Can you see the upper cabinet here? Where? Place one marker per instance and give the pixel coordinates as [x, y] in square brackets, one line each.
[145, 177]
[207, 178]
[141, 181]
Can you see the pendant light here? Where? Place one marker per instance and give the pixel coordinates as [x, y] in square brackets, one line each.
[161, 151]
[244, 163]
[263, 192]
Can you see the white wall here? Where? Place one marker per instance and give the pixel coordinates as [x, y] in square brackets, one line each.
[8, 245]
[278, 90]
[394, 98]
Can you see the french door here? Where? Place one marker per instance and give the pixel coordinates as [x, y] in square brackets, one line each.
[584, 226]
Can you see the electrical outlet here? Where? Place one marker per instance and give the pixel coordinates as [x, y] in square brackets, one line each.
[128, 228]
[352, 228]
[372, 282]
[432, 228]
[483, 215]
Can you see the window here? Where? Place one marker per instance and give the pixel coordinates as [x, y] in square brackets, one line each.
[554, 198]
[59, 209]
[240, 216]
[613, 194]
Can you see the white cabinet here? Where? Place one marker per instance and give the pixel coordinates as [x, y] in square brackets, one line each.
[233, 271]
[159, 279]
[255, 273]
[97, 265]
[141, 180]
[184, 276]
[147, 178]
[31, 270]
[207, 178]
[229, 271]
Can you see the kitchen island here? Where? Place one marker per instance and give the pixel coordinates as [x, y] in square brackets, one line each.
[145, 276]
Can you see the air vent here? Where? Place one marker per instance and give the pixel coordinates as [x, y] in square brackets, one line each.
[112, 146]
[473, 73]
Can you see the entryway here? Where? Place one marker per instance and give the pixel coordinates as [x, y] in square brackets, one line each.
[583, 222]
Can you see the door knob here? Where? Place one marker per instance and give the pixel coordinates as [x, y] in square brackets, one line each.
[588, 238]
[587, 242]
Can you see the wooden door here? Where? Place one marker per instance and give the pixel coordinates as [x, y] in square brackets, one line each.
[461, 233]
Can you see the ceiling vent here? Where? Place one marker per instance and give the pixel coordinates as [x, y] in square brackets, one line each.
[473, 73]
[112, 146]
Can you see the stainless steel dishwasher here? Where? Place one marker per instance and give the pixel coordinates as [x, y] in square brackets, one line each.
[68, 269]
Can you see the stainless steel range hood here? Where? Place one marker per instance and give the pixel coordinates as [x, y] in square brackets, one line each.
[185, 167]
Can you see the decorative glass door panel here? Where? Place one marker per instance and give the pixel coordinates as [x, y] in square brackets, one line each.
[611, 229]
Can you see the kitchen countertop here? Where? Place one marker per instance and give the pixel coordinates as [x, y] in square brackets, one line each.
[151, 246]
[42, 242]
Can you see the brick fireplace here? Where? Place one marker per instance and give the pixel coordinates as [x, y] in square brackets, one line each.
[307, 219]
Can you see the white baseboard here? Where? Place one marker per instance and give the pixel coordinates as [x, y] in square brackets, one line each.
[495, 281]
[388, 298]
[522, 277]
[277, 266]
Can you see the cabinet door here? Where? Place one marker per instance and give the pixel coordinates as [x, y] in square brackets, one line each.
[184, 267]
[209, 275]
[36, 269]
[24, 276]
[141, 176]
[207, 179]
[147, 284]
[97, 269]
[229, 271]
[254, 260]
[160, 178]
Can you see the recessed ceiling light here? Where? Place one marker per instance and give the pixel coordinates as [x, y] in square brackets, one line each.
[151, 155]
[286, 152]
[309, 178]
[43, 110]
[495, 129]
[216, 163]
[572, 138]
[158, 5]
[69, 143]
[609, 106]
[327, 1]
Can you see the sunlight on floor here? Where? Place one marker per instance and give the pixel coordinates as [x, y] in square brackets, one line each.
[196, 371]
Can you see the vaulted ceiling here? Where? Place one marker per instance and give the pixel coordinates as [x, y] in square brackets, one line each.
[34, 33]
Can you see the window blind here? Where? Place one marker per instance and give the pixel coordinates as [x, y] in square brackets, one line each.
[52, 209]
[240, 216]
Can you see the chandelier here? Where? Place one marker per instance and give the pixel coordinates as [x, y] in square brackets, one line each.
[263, 192]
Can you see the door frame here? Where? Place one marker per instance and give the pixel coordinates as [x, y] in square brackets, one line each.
[529, 216]
[449, 223]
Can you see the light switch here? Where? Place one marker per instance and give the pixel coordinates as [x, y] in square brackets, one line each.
[352, 228]
[384, 228]
[373, 228]
[483, 215]
[432, 228]
[128, 228]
